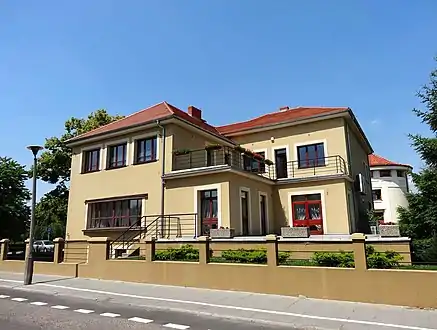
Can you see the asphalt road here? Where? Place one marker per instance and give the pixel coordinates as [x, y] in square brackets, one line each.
[25, 310]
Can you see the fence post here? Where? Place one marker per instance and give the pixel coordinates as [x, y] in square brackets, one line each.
[359, 248]
[97, 249]
[272, 250]
[204, 253]
[150, 249]
[58, 250]
[26, 242]
[4, 247]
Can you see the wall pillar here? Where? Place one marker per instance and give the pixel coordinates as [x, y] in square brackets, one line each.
[4, 248]
[204, 253]
[272, 250]
[359, 249]
[97, 249]
[58, 255]
[150, 249]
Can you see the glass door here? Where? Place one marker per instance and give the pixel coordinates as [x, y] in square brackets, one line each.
[208, 211]
[245, 212]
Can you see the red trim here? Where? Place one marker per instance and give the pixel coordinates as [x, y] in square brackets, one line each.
[308, 222]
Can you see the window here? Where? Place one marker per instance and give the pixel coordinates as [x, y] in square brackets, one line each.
[384, 173]
[117, 156]
[281, 163]
[311, 155]
[258, 165]
[117, 213]
[371, 174]
[91, 160]
[307, 211]
[377, 195]
[400, 173]
[208, 210]
[146, 150]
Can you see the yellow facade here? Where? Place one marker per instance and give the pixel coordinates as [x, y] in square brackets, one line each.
[342, 205]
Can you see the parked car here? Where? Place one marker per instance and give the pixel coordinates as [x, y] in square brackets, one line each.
[43, 246]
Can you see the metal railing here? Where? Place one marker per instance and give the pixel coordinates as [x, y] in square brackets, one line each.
[296, 169]
[223, 156]
[157, 226]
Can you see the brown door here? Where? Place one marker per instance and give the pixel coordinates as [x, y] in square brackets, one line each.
[263, 215]
[245, 212]
[208, 211]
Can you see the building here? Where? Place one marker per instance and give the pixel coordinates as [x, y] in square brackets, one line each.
[389, 186]
[177, 175]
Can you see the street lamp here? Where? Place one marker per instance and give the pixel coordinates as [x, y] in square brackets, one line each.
[28, 264]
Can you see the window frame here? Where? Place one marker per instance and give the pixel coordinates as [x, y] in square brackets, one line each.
[154, 150]
[403, 173]
[385, 176]
[120, 215]
[86, 159]
[109, 164]
[318, 161]
[306, 203]
[374, 194]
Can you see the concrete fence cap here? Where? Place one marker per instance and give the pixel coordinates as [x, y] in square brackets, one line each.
[58, 240]
[98, 240]
[203, 238]
[271, 237]
[5, 240]
[358, 236]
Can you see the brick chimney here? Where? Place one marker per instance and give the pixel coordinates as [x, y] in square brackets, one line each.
[195, 112]
[284, 108]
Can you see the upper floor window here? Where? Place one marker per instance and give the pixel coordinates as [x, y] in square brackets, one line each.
[117, 156]
[91, 160]
[281, 163]
[145, 150]
[116, 213]
[400, 173]
[384, 173]
[372, 174]
[377, 196]
[311, 155]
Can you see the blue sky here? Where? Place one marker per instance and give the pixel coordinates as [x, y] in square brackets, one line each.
[234, 59]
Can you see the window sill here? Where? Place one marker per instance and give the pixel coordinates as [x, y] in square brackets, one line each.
[109, 229]
[146, 162]
[88, 172]
[115, 167]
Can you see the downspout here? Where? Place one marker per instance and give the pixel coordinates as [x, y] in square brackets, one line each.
[162, 177]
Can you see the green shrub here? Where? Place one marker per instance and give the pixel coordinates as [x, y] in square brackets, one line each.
[184, 253]
[334, 259]
[382, 260]
[245, 256]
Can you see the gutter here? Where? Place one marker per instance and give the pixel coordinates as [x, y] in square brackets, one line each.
[162, 176]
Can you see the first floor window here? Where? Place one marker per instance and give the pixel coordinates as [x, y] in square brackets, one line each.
[115, 213]
[117, 156]
[91, 160]
[208, 210]
[307, 212]
[311, 155]
[146, 150]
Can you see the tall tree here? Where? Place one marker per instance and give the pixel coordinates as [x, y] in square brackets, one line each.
[14, 211]
[419, 220]
[54, 167]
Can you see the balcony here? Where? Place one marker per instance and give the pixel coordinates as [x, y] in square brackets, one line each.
[223, 156]
[238, 158]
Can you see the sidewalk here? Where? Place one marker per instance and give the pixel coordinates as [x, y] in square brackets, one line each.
[294, 311]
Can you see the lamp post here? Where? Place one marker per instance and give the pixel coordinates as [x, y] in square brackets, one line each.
[28, 264]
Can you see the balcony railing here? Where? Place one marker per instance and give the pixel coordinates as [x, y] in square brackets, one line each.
[184, 160]
[326, 166]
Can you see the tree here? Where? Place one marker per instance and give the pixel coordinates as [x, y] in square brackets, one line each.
[14, 211]
[419, 220]
[54, 167]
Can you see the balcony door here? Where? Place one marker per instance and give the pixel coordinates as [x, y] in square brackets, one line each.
[244, 200]
[281, 163]
[208, 211]
[263, 214]
[307, 211]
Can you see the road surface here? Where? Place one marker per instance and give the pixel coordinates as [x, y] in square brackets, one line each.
[25, 310]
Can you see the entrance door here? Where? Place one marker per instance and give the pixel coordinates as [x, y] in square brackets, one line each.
[307, 212]
[281, 163]
[244, 197]
[208, 211]
[263, 214]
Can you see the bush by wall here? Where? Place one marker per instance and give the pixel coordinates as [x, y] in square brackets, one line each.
[244, 256]
[334, 259]
[184, 253]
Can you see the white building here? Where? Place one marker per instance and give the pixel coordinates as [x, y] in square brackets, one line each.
[389, 186]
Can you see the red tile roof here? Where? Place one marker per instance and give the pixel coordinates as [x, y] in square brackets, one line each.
[159, 111]
[292, 114]
[375, 160]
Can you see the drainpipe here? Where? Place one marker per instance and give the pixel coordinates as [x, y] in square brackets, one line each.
[162, 176]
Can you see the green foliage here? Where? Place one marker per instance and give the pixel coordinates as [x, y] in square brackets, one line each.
[334, 259]
[245, 256]
[419, 220]
[14, 211]
[54, 167]
[382, 260]
[185, 253]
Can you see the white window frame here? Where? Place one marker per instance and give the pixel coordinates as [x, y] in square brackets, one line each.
[308, 192]
[306, 143]
[145, 136]
[197, 190]
[249, 213]
[287, 153]
[99, 146]
[114, 143]
[261, 193]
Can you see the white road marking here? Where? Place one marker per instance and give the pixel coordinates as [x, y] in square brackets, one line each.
[84, 311]
[140, 320]
[110, 315]
[246, 309]
[176, 326]
[19, 299]
[38, 303]
[2, 296]
[60, 307]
